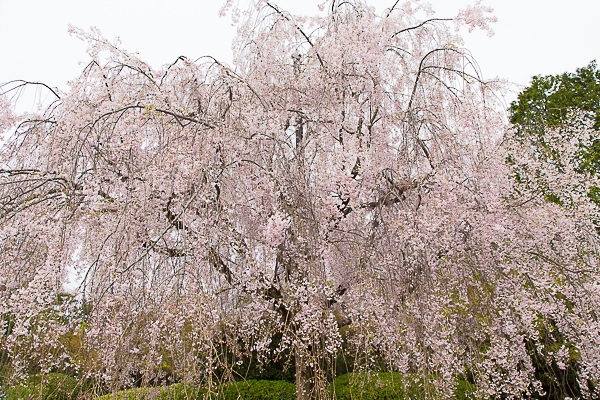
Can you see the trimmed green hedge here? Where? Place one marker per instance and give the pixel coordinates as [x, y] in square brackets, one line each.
[46, 387]
[258, 390]
[385, 386]
[178, 391]
[373, 386]
[363, 386]
[251, 389]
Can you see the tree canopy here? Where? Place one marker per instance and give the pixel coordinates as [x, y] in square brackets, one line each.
[548, 99]
[342, 186]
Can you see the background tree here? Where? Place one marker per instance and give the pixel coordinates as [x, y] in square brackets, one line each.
[346, 171]
[549, 99]
[557, 102]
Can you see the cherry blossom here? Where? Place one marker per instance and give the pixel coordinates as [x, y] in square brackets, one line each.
[347, 174]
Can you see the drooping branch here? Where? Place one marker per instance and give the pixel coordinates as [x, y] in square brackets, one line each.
[23, 83]
[278, 11]
[410, 28]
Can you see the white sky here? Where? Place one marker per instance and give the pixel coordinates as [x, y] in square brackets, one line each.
[532, 36]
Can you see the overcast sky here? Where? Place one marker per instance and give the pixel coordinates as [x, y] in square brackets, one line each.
[532, 36]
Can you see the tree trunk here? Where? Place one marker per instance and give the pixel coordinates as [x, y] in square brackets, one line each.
[305, 379]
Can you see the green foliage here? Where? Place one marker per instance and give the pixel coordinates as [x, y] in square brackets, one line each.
[46, 387]
[364, 386]
[547, 101]
[549, 98]
[180, 391]
[387, 386]
[257, 390]
[368, 386]
[250, 390]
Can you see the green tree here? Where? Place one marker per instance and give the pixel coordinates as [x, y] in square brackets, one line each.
[548, 102]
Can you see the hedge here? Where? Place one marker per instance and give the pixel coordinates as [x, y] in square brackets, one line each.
[355, 386]
[251, 389]
[386, 386]
[45, 387]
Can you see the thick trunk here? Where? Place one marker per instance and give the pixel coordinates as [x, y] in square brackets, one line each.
[305, 380]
